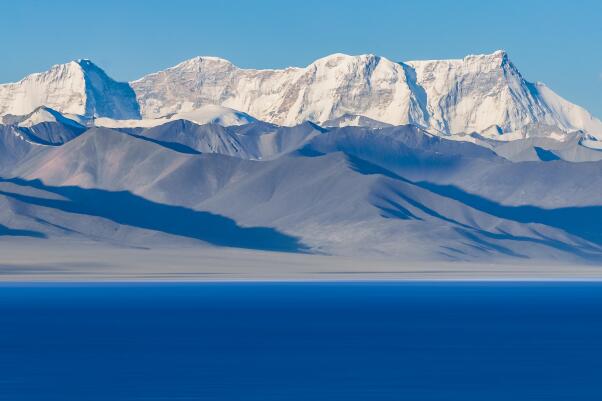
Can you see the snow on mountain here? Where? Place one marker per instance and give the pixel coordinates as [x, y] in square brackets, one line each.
[433, 160]
[207, 114]
[328, 88]
[212, 114]
[484, 93]
[40, 115]
[569, 115]
[479, 93]
[78, 87]
[45, 126]
[487, 94]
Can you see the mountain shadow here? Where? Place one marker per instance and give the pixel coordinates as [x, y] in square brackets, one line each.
[7, 231]
[545, 155]
[175, 146]
[582, 222]
[126, 208]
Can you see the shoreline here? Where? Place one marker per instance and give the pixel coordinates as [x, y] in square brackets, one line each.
[100, 282]
[32, 261]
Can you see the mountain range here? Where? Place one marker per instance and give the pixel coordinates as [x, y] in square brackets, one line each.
[351, 155]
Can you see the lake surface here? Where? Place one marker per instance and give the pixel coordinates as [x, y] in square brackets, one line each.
[301, 341]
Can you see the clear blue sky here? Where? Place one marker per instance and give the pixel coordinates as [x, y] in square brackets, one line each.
[556, 42]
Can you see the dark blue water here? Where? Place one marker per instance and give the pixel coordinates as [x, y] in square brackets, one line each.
[394, 341]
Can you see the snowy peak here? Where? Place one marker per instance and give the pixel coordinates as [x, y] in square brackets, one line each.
[337, 59]
[328, 88]
[212, 114]
[78, 87]
[483, 94]
[351, 120]
[497, 58]
[46, 115]
[61, 88]
[478, 93]
[106, 97]
[209, 114]
[193, 66]
[488, 94]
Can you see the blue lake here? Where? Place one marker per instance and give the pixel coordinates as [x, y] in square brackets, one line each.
[301, 341]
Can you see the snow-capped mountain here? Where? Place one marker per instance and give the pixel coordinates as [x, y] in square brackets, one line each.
[488, 167]
[208, 114]
[78, 87]
[44, 126]
[327, 89]
[487, 94]
[40, 115]
[484, 94]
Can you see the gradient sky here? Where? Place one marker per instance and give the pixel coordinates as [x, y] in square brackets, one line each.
[556, 42]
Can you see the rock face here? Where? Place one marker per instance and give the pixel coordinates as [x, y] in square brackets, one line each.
[484, 93]
[78, 87]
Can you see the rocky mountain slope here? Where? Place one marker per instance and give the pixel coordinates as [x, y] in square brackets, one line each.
[397, 192]
[206, 154]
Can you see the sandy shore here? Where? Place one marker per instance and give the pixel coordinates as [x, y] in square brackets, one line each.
[45, 260]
